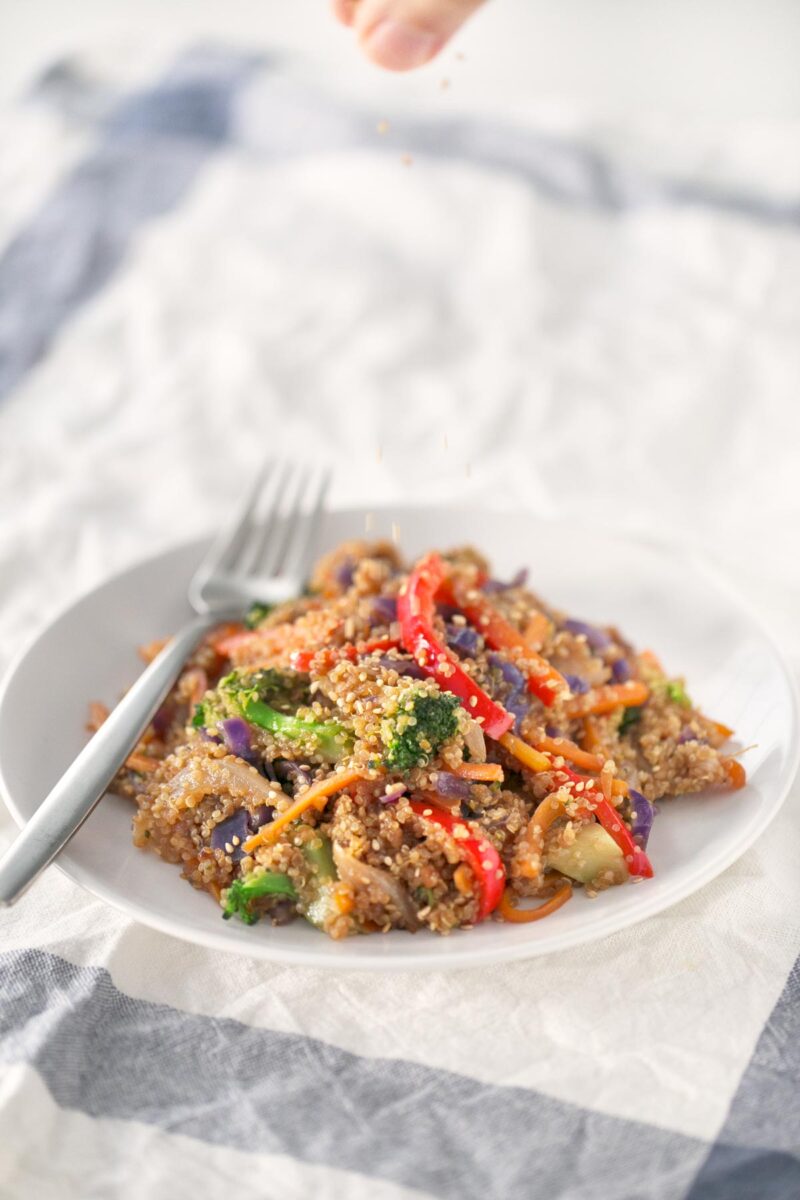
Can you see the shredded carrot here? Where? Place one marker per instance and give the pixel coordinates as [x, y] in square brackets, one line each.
[536, 631]
[651, 660]
[268, 647]
[196, 684]
[736, 773]
[463, 879]
[151, 649]
[534, 760]
[316, 796]
[571, 752]
[343, 899]
[98, 714]
[605, 699]
[142, 763]
[520, 916]
[220, 635]
[723, 730]
[546, 812]
[590, 740]
[483, 772]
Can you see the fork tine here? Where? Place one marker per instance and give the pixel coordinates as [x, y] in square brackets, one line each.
[306, 522]
[227, 543]
[265, 533]
[275, 548]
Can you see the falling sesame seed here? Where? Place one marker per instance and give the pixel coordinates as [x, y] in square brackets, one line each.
[444, 84]
[382, 127]
[407, 160]
[395, 533]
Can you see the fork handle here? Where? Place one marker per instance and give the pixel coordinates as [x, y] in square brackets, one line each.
[86, 781]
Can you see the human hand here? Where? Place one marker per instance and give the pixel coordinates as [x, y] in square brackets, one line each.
[401, 34]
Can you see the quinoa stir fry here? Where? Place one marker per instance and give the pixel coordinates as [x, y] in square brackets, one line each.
[408, 747]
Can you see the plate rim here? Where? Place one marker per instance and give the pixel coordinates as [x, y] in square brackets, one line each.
[457, 958]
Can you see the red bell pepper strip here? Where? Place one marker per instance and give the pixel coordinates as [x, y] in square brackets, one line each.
[544, 681]
[300, 660]
[635, 858]
[415, 612]
[478, 853]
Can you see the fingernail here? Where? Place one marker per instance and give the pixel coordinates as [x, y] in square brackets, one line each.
[400, 47]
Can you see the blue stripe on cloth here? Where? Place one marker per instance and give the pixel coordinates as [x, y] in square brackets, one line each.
[757, 1153]
[154, 142]
[109, 1055]
[77, 239]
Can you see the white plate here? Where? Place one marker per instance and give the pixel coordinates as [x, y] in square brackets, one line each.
[659, 600]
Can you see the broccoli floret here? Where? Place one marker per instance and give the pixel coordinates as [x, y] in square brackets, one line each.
[246, 694]
[629, 718]
[676, 692]
[423, 722]
[256, 613]
[242, 892]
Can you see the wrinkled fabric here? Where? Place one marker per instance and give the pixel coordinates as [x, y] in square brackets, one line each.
[204, 260]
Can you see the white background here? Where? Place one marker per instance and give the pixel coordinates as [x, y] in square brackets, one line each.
[718, 59]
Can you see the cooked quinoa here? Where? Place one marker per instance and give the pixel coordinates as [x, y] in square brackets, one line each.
[409, 747]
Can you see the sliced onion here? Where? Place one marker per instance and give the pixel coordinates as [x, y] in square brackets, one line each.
[511, 673]
[597, 638]
[475, 742]
[518, 580]
[236, 734]
[219, 776]
[292, 773]
[403, 666]
[385, 609]
[463, 639]
[240, 824]
[621, 670]
[344, 573]
[642, 813]
[360, 874]
[162, 720]
[687, 734]
[455, 786]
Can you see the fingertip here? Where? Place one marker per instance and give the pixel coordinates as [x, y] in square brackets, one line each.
[344, 11]
[399, 45]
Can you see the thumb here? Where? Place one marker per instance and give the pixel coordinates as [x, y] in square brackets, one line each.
[401, 34]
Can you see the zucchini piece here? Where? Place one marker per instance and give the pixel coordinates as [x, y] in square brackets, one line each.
[592, 854]
[317, 902]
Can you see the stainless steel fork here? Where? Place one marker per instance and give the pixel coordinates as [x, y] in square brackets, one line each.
[262, 555]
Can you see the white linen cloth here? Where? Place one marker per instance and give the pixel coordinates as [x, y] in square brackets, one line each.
[215, 258]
